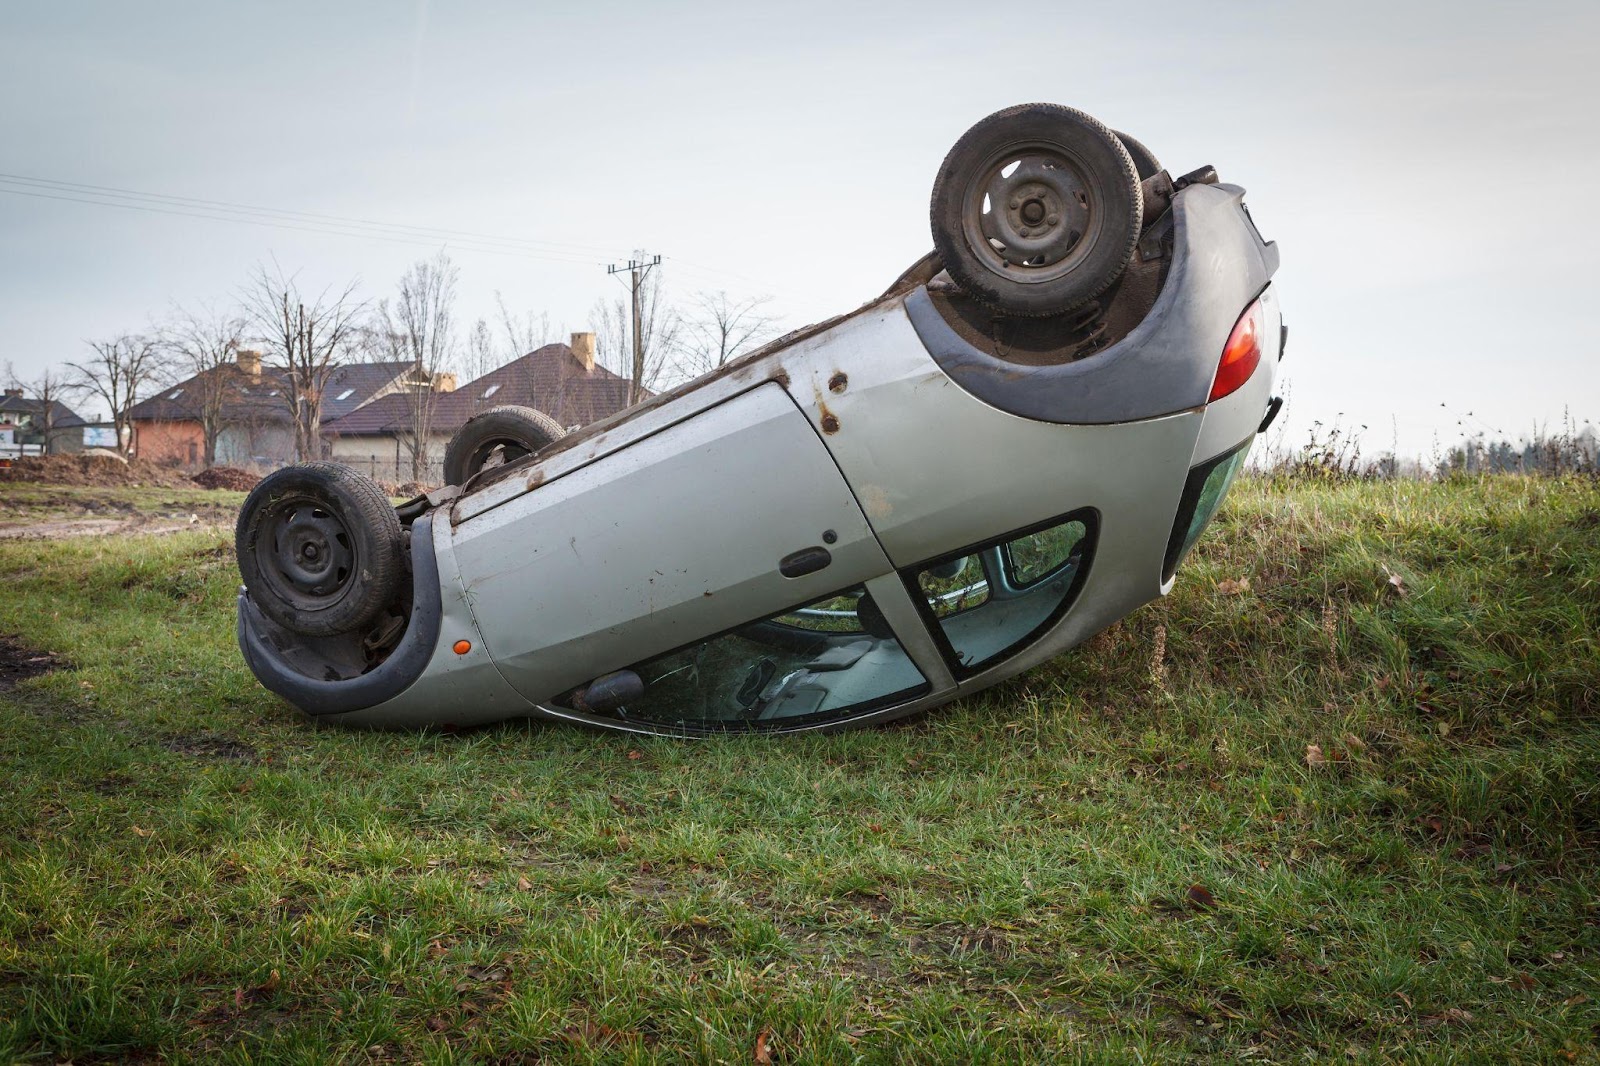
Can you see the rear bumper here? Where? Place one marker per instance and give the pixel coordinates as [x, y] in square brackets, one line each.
[1166, 364]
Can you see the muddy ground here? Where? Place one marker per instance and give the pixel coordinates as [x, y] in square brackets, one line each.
[64, 528]
[50, 512]
[18, 662]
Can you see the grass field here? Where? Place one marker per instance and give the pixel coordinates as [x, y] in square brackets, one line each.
[1334, 798]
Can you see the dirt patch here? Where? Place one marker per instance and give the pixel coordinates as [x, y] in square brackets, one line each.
[226, 477]
[67, 528]
[95, 471]
[698, 940]
[18, 662]
[210, 746]
[959, 942]
[114, 784]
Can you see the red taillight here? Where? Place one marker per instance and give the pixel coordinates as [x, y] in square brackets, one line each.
[1241, 355]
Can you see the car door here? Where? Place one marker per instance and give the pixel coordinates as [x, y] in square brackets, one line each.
[724, 559]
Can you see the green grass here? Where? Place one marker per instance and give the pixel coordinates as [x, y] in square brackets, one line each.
[188, 871]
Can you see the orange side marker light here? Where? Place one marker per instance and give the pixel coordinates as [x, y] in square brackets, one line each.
[463, 646]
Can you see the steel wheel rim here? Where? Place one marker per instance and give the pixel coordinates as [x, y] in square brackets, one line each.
[305, 553]
[496, 453]
[1029, 213]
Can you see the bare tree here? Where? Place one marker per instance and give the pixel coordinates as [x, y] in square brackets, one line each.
[117, 374]
[307, 342]
[47, 389]
[419, 327]
[659, 329]
[481, 354]
[525, 334]
[721, 328]
[204, 345]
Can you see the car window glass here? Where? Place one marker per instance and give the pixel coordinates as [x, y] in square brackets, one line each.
[837, 614]
[954, 586]
[827, 660]
[991, 602]
[1038, 555]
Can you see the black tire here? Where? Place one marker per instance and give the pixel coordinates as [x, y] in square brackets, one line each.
[320, 549]
[511, 431]
[1069, 217]
[1144, 160]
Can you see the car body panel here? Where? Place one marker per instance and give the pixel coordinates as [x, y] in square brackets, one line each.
[660, 543]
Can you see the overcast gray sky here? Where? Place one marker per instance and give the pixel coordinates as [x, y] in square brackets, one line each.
[1425, 167]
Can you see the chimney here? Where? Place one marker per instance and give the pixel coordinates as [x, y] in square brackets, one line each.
[583, 348]
[13, 392]
[249, 363]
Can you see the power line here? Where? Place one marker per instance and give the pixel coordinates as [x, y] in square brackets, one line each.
[329, 224]
[394, 233]
[232, 207]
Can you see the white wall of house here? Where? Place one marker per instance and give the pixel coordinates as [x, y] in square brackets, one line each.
[259, 446]
[388, 458]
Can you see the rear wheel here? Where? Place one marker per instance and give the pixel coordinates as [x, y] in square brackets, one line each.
[498, 436]
[1144, 160]
[320, 549]
[1036, 210]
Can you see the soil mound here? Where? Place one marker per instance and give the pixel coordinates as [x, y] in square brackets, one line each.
[226, 477]
[410, 489]
[93, 471]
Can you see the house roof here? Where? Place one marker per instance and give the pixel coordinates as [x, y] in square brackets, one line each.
[62, 416]
[549, 379]
[351, 385]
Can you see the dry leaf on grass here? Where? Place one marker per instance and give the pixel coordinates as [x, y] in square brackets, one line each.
[1314, 755]
[1200, 896]
[1396, 583]
[1448, 1016]
[1234, 587]
[763, 1054]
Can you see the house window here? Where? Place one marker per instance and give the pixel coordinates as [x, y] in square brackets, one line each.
[491, 390]
[194, 452]
[345, 395]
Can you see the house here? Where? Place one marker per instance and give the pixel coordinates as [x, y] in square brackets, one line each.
[562, 380]
[29, 424]
[256, 430]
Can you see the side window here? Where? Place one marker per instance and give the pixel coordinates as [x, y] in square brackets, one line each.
[992, 600]
[827, 660]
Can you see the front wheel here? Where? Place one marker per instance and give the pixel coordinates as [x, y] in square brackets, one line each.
[1036, 210]
[320, 549]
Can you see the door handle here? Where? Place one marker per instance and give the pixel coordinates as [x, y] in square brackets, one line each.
[805, 561]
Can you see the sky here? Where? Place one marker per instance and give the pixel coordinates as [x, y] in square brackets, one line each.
[1423, 167]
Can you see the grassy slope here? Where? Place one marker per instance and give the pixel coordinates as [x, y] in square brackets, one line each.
[186, 869]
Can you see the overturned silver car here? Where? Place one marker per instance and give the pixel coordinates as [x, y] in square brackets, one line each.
[1009, 450]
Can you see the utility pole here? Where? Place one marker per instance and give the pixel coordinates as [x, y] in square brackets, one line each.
[637, 271]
